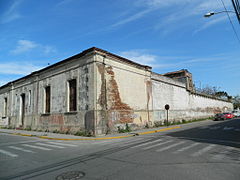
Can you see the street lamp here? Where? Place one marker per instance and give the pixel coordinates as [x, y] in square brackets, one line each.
[209, 14]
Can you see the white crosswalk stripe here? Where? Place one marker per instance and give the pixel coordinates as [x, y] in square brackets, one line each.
[8, 153]
[201, 151]
[222, 155]
[158, 144]
[186, 148]
[20, 149]
[143, 144]
[63, 144]
[37, 147]
[50, 145]
[170, 146]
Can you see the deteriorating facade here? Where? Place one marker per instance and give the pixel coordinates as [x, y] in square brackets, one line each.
[97, 91]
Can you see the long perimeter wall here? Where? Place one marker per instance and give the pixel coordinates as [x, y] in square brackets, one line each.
[184, 105]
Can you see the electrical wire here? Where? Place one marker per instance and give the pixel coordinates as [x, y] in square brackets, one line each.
[235, 32]
[236, 7]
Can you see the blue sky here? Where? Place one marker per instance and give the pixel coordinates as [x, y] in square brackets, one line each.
[167, 35]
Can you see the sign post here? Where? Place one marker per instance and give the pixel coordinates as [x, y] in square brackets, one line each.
[167, 107]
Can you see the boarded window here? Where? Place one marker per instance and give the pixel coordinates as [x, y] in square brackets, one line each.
[72, 95]
[47, 99]
[5, 108]
[29, 98]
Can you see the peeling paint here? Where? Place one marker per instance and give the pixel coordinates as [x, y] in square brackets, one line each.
[109, 98]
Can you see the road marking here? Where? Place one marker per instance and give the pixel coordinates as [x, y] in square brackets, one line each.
[20, 149]
[210, 140]
[170, 146]
[155, 145]
[146, 143]
[37, 147]
[8, 153]
[50, 145]
[222, 154]
[63, 144]
[19, 142]
[200, 152]
[214, 128]
[186, 148]
[227, 128]
[121, 143]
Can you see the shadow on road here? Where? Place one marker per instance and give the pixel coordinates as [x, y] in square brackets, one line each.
[224, 133]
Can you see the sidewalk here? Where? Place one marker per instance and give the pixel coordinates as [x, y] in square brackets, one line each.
[55, 136]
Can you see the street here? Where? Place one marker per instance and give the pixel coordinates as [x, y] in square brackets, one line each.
[205, 150]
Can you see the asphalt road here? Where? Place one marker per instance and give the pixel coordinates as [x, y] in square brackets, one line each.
[205, 150]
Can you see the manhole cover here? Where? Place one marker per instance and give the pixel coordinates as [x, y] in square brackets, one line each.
[71, 175]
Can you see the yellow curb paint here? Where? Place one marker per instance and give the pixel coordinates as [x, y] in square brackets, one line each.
[160, 130]
[105, 138]
[118, 137]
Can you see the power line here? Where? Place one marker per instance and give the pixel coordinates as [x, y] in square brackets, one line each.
[235, 32]
[236, 7]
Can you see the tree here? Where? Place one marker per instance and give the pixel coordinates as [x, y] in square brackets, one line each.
[236, 102]
[215, 91]
[209, 90]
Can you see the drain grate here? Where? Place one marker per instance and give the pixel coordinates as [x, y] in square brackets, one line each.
[71, 175]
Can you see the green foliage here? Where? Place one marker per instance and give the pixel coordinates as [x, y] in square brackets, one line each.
[236, 102]
[184, 121]
[56, 131]
[147, 126]
[124, 130]
[28, 128]
[160, 123]
[83, 133]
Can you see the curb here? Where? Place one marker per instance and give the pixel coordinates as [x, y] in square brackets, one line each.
[104, 138]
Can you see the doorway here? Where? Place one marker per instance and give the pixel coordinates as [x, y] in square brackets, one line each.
[22, 111]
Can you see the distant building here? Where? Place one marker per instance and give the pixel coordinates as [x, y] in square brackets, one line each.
[97, 91]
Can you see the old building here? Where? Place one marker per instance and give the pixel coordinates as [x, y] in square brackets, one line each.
[97, 91]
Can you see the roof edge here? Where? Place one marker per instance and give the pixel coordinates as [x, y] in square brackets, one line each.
[83, 53]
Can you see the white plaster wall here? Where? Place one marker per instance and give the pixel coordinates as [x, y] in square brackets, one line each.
[131, 83]
[183, 104]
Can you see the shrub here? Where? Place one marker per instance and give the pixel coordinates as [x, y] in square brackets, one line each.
[56, 131]
[147, 126]
[83, 133]
[28, 128]
[124, 130]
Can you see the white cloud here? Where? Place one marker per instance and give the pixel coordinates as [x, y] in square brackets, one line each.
[48, 49]
[64, 2]
[210, 23]
[160, 3]
[17, 68]
[132, 17]
[186, 13]
[24, 46]
[166, 62]
[11, 14]
[139, 56]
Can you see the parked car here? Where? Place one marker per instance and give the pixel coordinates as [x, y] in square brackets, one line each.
[236, 113]
[223, 116]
